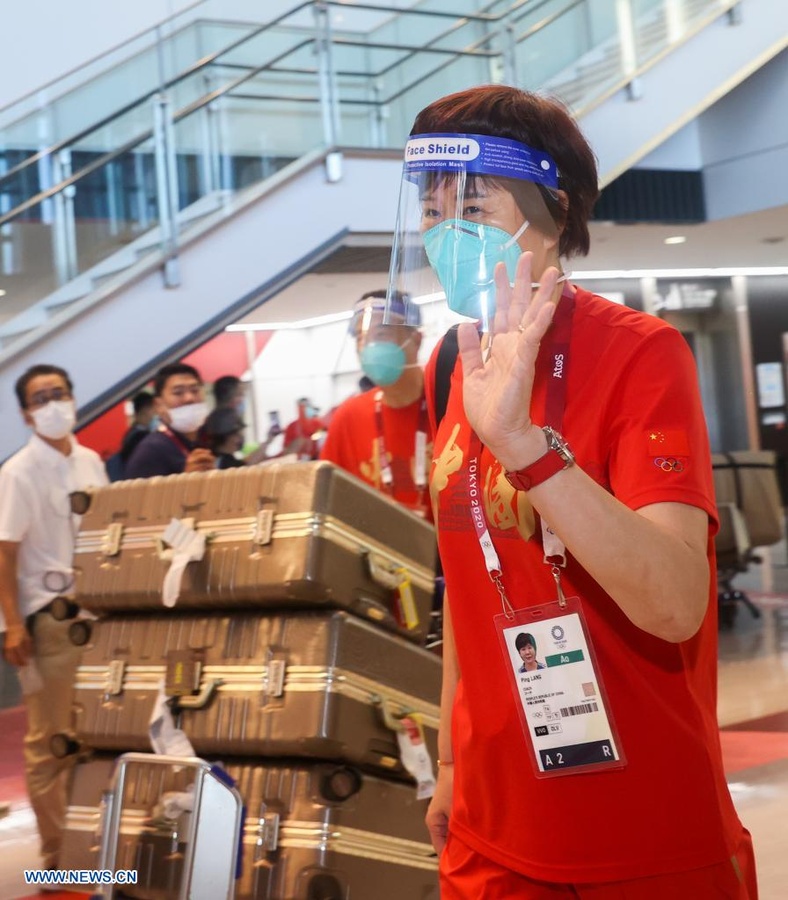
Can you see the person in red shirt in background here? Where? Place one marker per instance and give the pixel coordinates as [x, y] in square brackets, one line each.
[303, 434]
[381, 435]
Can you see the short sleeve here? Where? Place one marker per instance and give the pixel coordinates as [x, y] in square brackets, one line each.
[660, 446]
[330, 451]
[15, 506]
[100, 477]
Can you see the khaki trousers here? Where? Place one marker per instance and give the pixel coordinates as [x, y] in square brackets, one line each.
[49, 711]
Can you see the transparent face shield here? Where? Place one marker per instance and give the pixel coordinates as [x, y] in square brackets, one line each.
[386, 349]
[468, 202]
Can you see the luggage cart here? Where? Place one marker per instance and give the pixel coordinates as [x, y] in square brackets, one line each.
[204, 836]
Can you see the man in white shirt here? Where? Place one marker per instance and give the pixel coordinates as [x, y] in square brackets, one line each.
[39, 487]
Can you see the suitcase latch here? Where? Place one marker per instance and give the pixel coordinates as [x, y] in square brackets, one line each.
[263, 527]
[275, 678]
[268, 830]
[182, 675]
[110, 546]
[114, 683]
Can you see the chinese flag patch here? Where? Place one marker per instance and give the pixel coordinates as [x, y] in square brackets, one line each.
[664, 442]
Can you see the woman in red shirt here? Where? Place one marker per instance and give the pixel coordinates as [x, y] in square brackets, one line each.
[573, 499]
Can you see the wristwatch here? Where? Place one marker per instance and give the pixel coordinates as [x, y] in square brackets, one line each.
[558, 457]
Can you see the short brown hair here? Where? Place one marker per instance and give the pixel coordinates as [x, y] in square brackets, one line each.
[540, 122]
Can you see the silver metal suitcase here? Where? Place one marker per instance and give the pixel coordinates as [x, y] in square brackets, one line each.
[276, 535]
[320, 685]
[313, 832]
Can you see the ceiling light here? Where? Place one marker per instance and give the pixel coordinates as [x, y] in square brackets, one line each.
[424, 299]
[2, 293]
[727, 272]
[282, 326]
[676, 239]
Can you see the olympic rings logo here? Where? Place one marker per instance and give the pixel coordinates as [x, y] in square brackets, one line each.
[669, 464]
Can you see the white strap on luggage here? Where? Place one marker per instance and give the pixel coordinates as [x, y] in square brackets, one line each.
[187, 545]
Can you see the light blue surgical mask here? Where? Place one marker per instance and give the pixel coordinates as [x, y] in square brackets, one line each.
[464, 255]
[382, 361]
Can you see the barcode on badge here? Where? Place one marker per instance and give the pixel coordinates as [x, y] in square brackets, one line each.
[579, 710]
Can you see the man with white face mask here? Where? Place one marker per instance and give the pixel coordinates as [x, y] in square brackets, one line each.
[42, 490]
[179, 402]
[381, 436]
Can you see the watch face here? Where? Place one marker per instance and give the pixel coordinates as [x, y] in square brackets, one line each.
[558, 444]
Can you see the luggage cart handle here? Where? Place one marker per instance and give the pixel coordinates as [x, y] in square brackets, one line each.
[105, 818]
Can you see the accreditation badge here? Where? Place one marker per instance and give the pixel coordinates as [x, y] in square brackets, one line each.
[558, 689]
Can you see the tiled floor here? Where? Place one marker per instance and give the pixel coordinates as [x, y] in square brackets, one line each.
[753, 715]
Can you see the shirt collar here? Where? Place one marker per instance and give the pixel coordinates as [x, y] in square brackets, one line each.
[45, 453]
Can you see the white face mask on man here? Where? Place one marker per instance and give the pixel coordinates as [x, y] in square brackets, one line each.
[55, 420]
[189, 417]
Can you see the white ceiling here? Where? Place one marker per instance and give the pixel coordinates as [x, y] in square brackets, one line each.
[754, 240]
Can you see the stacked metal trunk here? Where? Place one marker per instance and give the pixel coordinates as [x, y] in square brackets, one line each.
[279, 624]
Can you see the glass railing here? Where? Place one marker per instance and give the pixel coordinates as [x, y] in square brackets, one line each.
[135, 181]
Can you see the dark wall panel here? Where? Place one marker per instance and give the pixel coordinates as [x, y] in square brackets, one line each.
[768, 305]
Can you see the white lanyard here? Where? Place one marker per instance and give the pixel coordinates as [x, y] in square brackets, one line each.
[419, 446]
[554, 548]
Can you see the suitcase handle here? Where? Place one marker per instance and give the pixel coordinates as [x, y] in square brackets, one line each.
[394, 577]
[198, 701]
[391, 719]
[383, 572]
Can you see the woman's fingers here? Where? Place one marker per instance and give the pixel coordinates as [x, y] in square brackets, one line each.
[521, 293]
[470, 349]
[542, 297]
[503, 299]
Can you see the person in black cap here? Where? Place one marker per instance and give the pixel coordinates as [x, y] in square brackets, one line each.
[223, 435]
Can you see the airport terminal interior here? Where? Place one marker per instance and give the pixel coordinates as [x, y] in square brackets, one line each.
[216, 182]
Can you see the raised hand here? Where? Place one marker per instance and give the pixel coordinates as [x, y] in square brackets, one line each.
[200, 460]
[498, 379]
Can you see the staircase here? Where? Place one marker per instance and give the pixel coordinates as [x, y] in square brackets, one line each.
[222, 179]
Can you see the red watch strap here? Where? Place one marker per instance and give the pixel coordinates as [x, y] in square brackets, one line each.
[544, 467]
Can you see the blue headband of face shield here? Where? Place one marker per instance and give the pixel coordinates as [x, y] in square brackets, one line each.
[463, 254]
[395, 311]
[479, 154]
